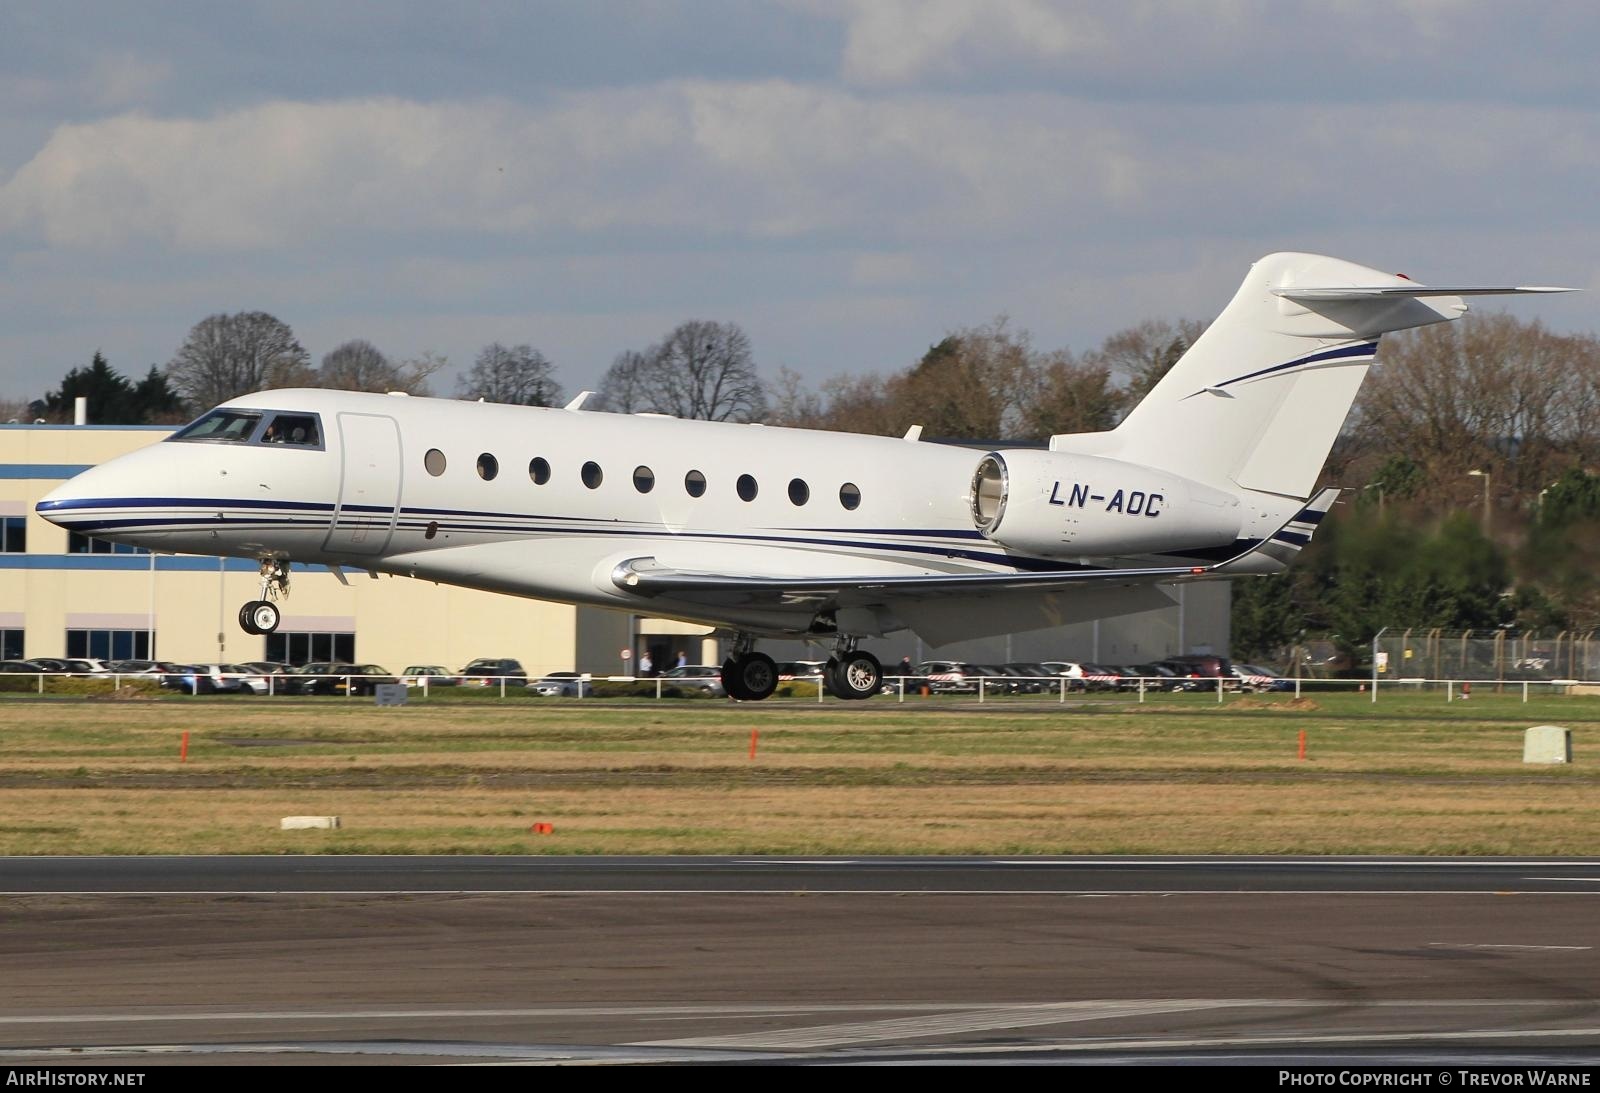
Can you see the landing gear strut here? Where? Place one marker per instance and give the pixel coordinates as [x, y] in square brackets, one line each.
[748, 675]
[853, 673]
[262, 616]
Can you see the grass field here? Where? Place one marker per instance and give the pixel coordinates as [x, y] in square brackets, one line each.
[947, 776]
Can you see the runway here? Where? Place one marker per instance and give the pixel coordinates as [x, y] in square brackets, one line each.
[738, 960]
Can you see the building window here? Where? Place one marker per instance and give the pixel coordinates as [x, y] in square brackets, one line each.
[644, 479]
[593, 475]
[109, 644]
[14, 535]
[84, 544]
[695, 483]
[746, 487]
[850, 495]
[10, 644]
[799, 492]
[434, 461]
[539, 471]
[289, 647]
[488, 467]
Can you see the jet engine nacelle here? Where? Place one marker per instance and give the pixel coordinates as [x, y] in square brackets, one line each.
[1061, 505]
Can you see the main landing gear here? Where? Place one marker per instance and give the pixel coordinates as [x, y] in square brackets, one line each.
[748, 675]
[853, 673]
[751, 676]
[261, 616]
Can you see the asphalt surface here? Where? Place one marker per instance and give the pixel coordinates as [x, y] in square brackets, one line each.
[146, 961]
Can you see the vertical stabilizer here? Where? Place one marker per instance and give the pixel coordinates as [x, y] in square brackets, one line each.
[1258, 400]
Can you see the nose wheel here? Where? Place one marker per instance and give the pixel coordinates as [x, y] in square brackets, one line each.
[262, 616]
[259, 617]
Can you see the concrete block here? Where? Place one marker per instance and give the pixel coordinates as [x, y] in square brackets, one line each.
[1547, 744]
[389, 694]
[301, 823]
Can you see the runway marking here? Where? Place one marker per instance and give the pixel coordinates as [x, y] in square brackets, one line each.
[1514, 948]
[947, 1024]
[300, 893]
[1572, 880]
[668, 1011]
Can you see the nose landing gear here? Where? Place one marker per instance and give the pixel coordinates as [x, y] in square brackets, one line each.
[262, 616]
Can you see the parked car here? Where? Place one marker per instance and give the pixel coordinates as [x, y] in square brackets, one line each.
[1162, 677]
[437, 675]
[1071, 670]
[332, 678]
[489, 671]
[562, 685]
[74, 666]
[706, 676]
[1254, 678]
[948, 676]
[199, 679]
[15, 666]
[800, 669]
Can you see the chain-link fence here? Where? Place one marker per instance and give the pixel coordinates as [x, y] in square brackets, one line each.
[1508, 656]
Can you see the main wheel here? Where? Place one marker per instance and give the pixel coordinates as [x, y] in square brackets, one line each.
[756, 676]
[730, 680]
[264, 616]
[246, 622]
[857, 675]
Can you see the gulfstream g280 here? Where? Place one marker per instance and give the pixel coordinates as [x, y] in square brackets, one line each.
[785, 532]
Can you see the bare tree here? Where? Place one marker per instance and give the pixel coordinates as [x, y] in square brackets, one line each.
[623, 387]
[792, 404]
[519, 375]
[226, 356]
[1141, 355]
[701, 370]
[414, 373]
[357, 365]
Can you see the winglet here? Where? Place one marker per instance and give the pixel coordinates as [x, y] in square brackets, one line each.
[1277, 551]
[577, 403]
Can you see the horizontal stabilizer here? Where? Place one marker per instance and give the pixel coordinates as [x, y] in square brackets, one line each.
[1368, 292]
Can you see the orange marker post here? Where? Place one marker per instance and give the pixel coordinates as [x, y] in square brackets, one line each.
[1302, 744]
[754, 736]
[183, 749]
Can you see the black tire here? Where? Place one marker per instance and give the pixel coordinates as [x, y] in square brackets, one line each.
[857, 675]
[246, 623]
[730, 680]
[756, 675]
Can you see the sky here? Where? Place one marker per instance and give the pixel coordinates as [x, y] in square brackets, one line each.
[848, 180]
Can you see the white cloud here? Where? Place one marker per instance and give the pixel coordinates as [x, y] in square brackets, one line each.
[894, 42]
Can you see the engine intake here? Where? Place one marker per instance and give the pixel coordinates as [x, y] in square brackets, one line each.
[1061, 505]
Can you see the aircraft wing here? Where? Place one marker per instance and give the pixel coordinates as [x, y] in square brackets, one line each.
[646, 576]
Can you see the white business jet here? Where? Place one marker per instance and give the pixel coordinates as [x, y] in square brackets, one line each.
[768, 532]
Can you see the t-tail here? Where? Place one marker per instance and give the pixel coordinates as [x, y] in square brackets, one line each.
[1258, 400]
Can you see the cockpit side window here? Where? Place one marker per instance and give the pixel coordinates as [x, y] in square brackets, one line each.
[227, 426]
[295, 430]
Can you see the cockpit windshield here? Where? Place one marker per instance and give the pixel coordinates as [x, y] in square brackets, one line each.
[286, 427]
[233, 426]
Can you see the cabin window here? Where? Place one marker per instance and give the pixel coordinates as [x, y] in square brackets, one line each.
[488, 467]
[539, 471]
[746, 487]
[850, 495]
[799, 492]
[294, 430]
[644, 479]
[227, 426]
[434, 461]
[592, 475]
[694, 484]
